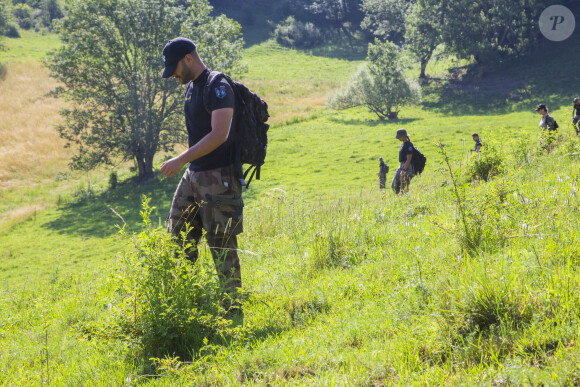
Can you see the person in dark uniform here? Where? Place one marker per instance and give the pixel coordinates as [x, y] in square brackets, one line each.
[547, 126]
[383, 170]
[405, 172]
[209, 195]
[576, 115]
[478, 143]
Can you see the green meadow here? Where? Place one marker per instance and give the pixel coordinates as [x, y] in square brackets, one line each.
[461, 281]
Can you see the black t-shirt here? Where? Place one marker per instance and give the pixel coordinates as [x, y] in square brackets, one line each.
[406, 149]
[576, 110]
[198, 120]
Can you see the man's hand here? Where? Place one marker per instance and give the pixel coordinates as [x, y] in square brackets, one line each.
[171, 167]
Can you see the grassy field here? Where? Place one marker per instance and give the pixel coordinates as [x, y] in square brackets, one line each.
[347, 285]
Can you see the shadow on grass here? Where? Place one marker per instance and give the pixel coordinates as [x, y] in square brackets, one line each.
[515, 85]
[372, 123]
[94, 215]
[356, 51]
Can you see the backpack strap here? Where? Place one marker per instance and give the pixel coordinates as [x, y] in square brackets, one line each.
[214, 76]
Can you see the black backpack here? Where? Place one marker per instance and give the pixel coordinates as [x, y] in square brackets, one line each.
[251, 139]
[419, 160]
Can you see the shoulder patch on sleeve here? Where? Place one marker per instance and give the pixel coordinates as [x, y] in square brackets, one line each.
[220, 92]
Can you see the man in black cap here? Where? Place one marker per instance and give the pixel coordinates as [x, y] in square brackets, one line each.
[209, 195]
[383, 170]
[405, 172]
[576, 115]
[478, 143]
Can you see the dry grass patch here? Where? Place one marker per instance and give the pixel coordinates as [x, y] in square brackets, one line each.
[31, 150]
[292, 100]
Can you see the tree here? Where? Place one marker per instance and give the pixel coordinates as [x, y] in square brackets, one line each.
[50, 10]
[381, 86]
[336, 15]
[386, 18]
[490, 30]
[423, 32]
[110, 65]
[4, 17]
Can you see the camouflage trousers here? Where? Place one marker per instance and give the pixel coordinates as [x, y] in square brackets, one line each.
[382, 180]
[211, 201]
[401, 184]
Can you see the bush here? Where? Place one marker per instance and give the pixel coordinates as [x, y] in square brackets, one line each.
[12, 31]
[293, 33]
[485, 164]
[113, 180]
[166, 305]
[24, 15]
[381, 86]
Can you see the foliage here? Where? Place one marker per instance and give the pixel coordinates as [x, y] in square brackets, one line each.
[382, 86]
[386, 18]
[335, 18]
[24, 15]
[5, 17]
[485, 164]
[294, 33]
[489, 30]
[165, 304]
[423, 31]
[110, 64]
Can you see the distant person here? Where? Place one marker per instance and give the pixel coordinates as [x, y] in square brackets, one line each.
[576, 115]
[548, 125]
[547, 122]
[405, 172]
[383, 170]
[209, 195]
[478, 143]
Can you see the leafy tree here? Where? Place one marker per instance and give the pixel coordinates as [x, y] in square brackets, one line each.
[423, 32]
[386, 18]
[24, 15]
[381, 86]
[490, 30]
[50, 11]
[4, 17]
[335, 15]
[110, 64]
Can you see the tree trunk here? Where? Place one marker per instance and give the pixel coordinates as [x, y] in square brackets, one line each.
[424, 62]
[145, 165]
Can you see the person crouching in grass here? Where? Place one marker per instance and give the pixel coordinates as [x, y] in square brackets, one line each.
[405, 172]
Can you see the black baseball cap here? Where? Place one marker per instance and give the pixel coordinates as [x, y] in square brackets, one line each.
[173, 52]
[541, 106]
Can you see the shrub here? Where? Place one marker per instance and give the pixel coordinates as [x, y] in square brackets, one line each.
[165, 305]
[381, 86]
[12, 31]
[293, 33]
[485, 164]
[113, 180]
[24, 15]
